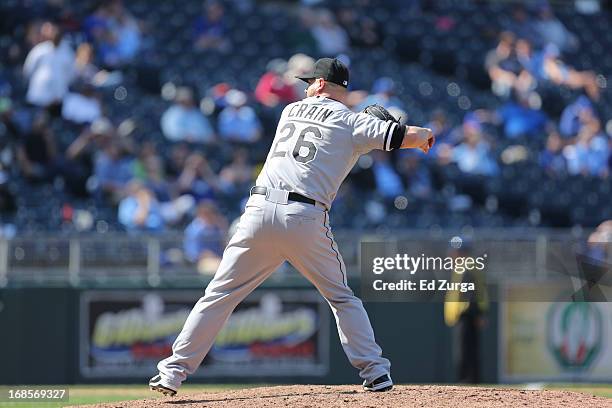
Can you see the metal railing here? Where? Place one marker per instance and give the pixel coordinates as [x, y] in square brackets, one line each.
[154, 260]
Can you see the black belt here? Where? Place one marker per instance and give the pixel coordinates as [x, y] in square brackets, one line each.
[292, 196]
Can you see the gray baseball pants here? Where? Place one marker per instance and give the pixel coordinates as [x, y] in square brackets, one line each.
[268, 233]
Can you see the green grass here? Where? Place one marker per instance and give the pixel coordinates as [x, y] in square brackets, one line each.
[92, 394]
[599, 390]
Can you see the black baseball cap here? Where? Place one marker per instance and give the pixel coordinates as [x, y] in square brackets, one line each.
[330, 69]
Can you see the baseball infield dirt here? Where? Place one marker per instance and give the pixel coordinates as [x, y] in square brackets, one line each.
[314, 396]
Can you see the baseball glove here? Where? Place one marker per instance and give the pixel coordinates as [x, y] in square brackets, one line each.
[379, 112]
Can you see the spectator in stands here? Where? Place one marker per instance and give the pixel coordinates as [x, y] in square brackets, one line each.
[517, 117]
[238, 174]
[126, 32]
[107, 49]
[383, 93]
[238, 122]
[183, 121]
[113, 167]
[552, 31]
[505, 70]
[87, 72]
[80, 155]
[473, 155]
[37, 152]
[274, 91]
[218, 94]
[551, 158]
[521, 25]
[550, 67]
[388, 182]
[215, 97]
[526, 56]
[197, 178]
[545, 65]
[502, 77]
[273, 88]
[589, 154]
[330, 36]
[587, 121]
[140, 210]
[570, 122]
[175, 162]
[82, 106]
[298, 65]
[85, 69]
[149, 168]
[96, 25]
[205, 238]
[210, 31]
[49, 69]
[115, 33]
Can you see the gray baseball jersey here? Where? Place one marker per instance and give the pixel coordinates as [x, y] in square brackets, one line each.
[317, 143]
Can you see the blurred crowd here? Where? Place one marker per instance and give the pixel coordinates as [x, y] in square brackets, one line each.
[526, 63]
[216, 140]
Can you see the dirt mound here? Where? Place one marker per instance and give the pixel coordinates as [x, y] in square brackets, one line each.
[312, 396]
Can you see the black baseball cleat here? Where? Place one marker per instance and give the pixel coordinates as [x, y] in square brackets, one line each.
[382, 383]
[155, 384]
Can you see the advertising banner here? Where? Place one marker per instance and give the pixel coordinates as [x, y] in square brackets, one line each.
[271, 333]
[555, 341]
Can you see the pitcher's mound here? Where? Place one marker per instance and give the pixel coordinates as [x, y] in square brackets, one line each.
[314, 396]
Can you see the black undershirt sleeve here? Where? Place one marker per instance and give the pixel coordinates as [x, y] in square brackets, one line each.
[397, 137]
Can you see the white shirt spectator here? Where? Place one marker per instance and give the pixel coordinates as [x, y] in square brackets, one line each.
[180, 123]
[475, 159]
[50, 70]
[239, 124]
[237, 121]
[589, 156]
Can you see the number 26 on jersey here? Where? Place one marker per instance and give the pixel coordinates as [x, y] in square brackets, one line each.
[303, 151]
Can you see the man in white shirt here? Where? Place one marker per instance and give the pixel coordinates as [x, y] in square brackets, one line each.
[49, 68]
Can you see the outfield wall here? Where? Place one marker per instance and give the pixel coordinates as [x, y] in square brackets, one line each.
[281, 334]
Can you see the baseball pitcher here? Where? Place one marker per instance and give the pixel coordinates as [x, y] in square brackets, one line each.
[317, 142]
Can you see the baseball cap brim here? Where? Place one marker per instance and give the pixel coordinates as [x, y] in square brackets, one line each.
[306, 77]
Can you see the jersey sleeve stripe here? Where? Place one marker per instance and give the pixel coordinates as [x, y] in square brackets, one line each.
[387, 135]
